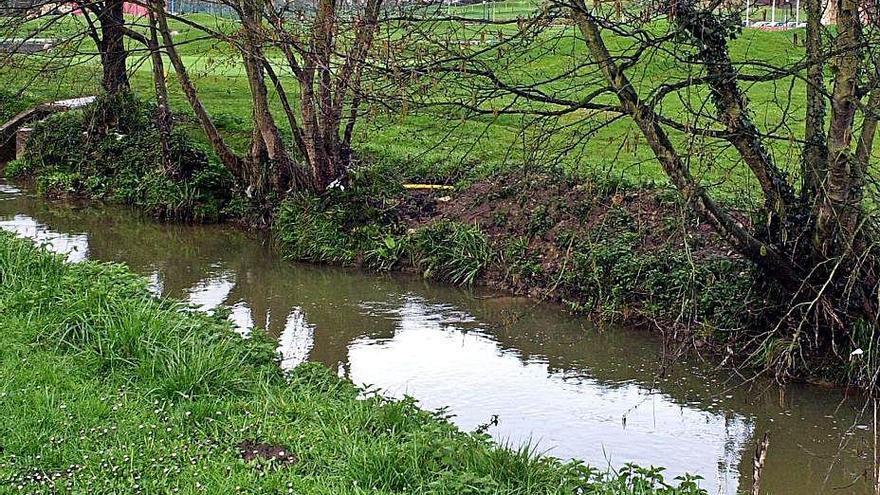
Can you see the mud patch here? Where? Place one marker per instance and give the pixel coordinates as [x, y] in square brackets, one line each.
[253, 451]
[542, 209]
[619, 251]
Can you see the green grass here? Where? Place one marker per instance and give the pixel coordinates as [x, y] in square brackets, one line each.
[508, 9]
[105, 389]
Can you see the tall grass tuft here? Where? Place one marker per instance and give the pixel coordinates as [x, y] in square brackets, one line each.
[451, 251]
[105, 313]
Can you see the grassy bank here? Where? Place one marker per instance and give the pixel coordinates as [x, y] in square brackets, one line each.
[619, 251]
[77, 154]
[106, 389]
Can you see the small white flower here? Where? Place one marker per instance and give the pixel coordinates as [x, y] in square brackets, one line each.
[336, 184]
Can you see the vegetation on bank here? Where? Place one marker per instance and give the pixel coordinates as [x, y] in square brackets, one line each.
[106, 389]
[111, 151]
[613, 250]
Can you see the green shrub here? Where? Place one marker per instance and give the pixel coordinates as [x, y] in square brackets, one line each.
[520, 263]
[120, 113]
[112, 150]
[308, 229]
[385, 250]
[355, 224]
[611, 271]
[12, 103]
[57, 143]
[60, 183]
[360, 225]
[17, 168]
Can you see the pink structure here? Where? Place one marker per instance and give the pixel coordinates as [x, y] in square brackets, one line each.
[134, 9]
[127, 9]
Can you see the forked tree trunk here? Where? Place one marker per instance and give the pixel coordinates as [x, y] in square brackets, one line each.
[325, 135]
[328, 85]
[278, 166]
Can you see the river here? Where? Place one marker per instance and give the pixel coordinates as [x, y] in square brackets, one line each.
[552, 381]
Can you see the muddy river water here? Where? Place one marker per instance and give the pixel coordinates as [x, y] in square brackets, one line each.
[556, 382]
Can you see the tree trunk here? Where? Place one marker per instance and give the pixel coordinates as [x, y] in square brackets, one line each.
[163, 111]
[829, 12]
[229, 159]
[112, 46]
[325, 163]
[815, 159]
[838, 210]
[279, 161]
[731, 106]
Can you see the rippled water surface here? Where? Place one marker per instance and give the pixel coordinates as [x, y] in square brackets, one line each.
[553, 381]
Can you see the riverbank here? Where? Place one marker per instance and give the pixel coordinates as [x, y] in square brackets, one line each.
[618, 251]
[106, 389]
[610, 249]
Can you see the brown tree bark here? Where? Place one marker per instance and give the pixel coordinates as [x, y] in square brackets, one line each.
[163, 111]
[326, 91]
[112, 46]
[815, 156]
[279, 166]
[324, 159]
[869, 130]
[838, 210]
[829, 12]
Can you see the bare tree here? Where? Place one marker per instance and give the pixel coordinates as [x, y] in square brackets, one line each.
[48, 38]
[813, 230]
[327, 88]
[325, 49]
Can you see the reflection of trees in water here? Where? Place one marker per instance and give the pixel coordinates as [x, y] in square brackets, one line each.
[322, 310]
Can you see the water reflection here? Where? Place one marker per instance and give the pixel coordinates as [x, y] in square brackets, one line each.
[567, 413]
[212, 292]
[74, 246]
[552, 380]
[296, 340]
